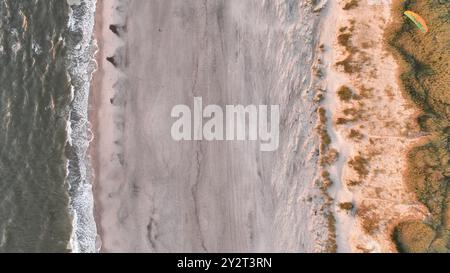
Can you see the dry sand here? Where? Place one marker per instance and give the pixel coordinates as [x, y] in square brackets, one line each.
[384, 118]
[157, 195]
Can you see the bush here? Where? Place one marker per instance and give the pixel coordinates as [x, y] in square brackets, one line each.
[346, 206]
[351, 5]
[413, 237]
[360, 165]
[345, 93]
[369, 219]
[355, 135]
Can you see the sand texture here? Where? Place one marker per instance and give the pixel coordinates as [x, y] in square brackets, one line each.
[154, 194]
[372, 127]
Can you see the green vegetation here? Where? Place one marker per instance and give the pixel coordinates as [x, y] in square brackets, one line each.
[425, 77]
[413, 237]
[329, 158]
[325, 139]
[360, 165]
[355, 135]
[369, 219]
[351, 115]
[355, 59]
[353, 183]
[346, 206]
[326, 156]
[351, 5]
[345, 93]
[344, 40]
[332, 244]
[326, 181]
[349, 65]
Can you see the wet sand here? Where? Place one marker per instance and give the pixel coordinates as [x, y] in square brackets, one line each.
[154, 194]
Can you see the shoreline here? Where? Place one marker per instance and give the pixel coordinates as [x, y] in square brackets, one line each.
[94, 98]
[80, 69]
[101, 108]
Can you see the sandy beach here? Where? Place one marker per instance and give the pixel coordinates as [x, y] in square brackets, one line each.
[336, 182]
[154, 194]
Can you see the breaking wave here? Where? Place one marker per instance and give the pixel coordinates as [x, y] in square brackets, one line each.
[81, 64]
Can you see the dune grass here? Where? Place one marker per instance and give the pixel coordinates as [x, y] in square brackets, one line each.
[425, 77]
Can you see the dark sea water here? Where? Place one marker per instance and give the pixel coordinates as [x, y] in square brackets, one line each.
[46, 54]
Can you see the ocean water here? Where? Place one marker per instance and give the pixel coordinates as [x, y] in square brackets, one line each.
[46, 60]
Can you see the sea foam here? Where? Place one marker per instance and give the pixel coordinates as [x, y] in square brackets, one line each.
[81, 63]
